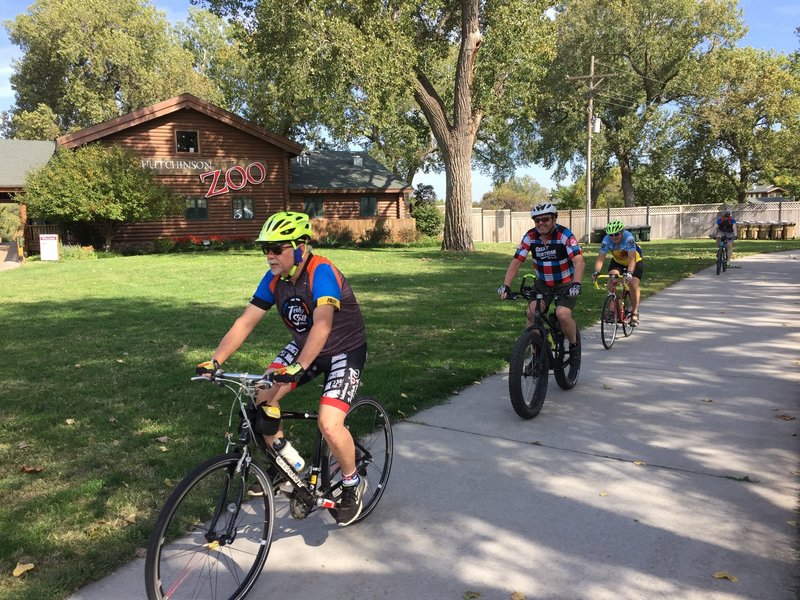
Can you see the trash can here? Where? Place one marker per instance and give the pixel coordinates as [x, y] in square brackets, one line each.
[752, 231]
[742, 230]
[598, 235]
[775, 231]
[789, 233]
[763, 230]
[644, 233]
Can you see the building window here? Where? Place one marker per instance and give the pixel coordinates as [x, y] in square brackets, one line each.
[369, 206]
[186, 141]
[313, 207]
[242, 208]
[196, 209]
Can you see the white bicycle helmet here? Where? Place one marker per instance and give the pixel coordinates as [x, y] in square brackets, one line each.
[544, 209]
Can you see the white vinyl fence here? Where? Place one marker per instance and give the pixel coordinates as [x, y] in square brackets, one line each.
[665, 222]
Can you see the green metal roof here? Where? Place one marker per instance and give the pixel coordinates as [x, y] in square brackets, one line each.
[342, 170]
[18, 157]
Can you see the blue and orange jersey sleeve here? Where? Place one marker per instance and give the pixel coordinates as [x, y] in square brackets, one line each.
[264, 296]
[325, 282]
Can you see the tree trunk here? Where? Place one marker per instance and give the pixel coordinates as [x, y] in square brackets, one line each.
[106, 230]
[457, 139]
[627, 178]
[458, 206]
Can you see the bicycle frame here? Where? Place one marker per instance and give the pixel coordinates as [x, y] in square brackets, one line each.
[546, 323]
[245, 388]
[613, 282]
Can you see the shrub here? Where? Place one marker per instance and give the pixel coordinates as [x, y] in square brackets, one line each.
[377, 236]
[74, 252]
[430, 220]
[407, 235]
[337, 236]
[163, 245]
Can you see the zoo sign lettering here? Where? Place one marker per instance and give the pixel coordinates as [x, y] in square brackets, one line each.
[234, 178]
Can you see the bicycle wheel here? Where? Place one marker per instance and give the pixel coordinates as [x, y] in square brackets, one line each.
[720, 260]
[528, 375]
[211, 539]
[565, 373]
[725, 258]
[627, 325]
[371, 429]
[609, 321]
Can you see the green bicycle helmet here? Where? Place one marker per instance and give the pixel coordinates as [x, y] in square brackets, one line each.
[285, 226]
[615, 227]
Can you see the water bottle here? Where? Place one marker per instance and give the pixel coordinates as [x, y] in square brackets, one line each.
[287, 451]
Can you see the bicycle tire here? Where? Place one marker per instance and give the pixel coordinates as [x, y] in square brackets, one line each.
[720, 259]
[565, 373]
[627, 325]
[609, 317]
[528, 374]
[369, 424]
[725, 259]
[184, 560]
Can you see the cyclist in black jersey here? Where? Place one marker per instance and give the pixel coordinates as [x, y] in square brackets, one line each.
[320, 310]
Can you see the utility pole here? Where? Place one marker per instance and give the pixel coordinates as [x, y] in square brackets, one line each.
[590, 116]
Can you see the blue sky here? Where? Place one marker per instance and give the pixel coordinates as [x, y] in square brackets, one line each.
[771, 26]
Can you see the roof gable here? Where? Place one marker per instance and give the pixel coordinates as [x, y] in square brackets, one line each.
[182, 102]
[342, 170]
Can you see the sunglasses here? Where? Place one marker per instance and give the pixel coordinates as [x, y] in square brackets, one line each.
[616, 234]
[538, 220]
[276, 249]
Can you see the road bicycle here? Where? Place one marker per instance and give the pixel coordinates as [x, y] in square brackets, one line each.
[542, 347]
[213, 534]
[722, 254]
[616, 312]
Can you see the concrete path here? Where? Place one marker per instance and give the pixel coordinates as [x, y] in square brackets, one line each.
[674, 458]
[8, 256]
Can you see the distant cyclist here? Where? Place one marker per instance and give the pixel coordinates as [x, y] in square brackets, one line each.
[626, 260]
[558, 263]
[726, 229]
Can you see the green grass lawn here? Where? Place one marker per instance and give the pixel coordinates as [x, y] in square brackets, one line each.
[98, 418]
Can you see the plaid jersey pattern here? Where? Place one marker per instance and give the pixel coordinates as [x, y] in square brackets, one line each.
[551, 256]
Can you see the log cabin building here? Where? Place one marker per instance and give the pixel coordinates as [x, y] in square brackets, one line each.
[234, 174]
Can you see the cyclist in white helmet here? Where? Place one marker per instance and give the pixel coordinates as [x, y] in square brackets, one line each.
[558, 263]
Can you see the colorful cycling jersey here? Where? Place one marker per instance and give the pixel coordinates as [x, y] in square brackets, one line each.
[552, 256]
[319, 283]
[726, 225]
[620, 251]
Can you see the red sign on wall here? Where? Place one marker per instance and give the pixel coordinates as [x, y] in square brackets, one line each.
[234, 178]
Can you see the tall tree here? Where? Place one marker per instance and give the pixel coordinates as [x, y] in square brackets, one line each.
[744, 119]
[464, 73]
[91, 60]
[652, 49]
[518, 193]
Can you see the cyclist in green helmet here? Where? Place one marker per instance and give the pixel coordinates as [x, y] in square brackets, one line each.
[626, 260]
[320, 310]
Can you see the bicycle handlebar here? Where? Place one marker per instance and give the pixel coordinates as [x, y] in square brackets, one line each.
[613, 278]
[242, 379]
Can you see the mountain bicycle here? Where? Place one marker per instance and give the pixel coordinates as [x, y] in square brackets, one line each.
[615, 312]
[722, 254]
[212, 536]
[542, 347]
